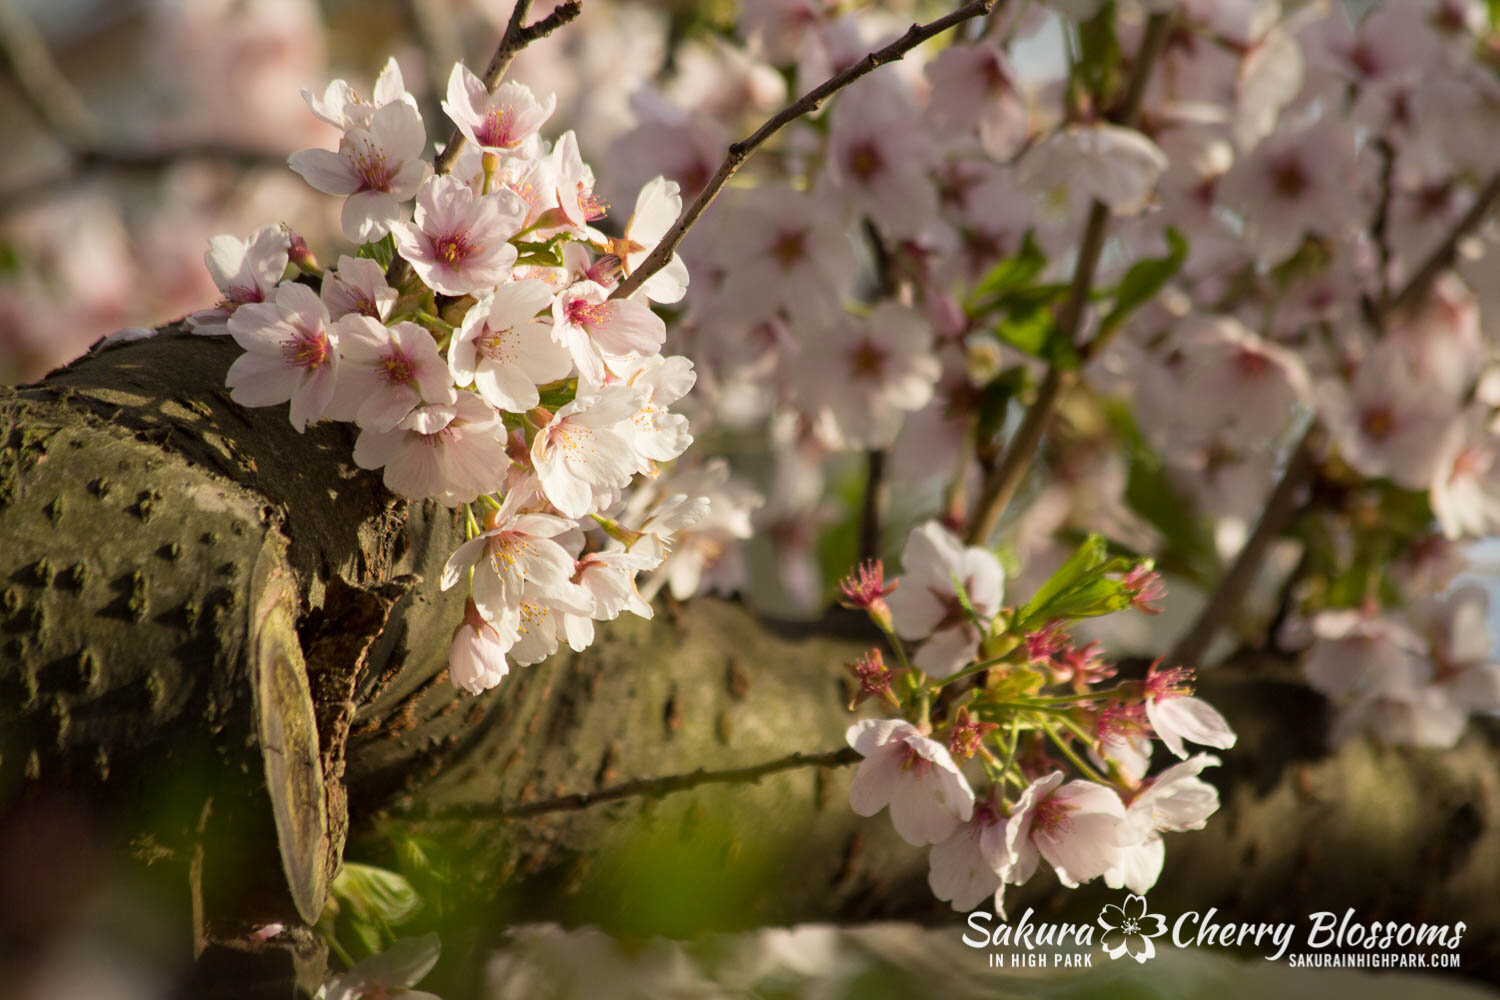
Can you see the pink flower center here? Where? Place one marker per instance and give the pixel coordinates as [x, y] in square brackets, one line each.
[372, 169]
[396, 368]
[865, 160]
[1469, 464]
[492, 347]
[867, 360]
[306, 350]
[593, 206]
[1289, 178]
[913, 761]
[453, 248]
[238, 295]
[1051, 817]
[1251, 365]
[582, 312]
[790, 247]
[1377, 422]
[1164, 684]
[498, 129]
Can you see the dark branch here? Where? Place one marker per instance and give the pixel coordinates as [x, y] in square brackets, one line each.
[1416, 288]
[740, 151]
[1003, 481]
[513, 41]
[643, 788]
[1230, 593]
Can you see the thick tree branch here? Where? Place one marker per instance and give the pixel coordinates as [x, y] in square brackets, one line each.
[740, 151]
[1003, 481]
[651, 788]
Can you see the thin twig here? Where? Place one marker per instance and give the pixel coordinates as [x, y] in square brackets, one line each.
[513, 41]
[642, 787]
[1003, 481]
[1441, 259]
[41, 84]
[740, 151]
[872, 511]
[1230, 593]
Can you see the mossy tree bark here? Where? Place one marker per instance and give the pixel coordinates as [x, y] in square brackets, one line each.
[222, 643]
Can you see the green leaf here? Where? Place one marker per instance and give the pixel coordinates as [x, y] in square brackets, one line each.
[542, 254]
[1098, 596]
[1144, 279]
[1189, 550]
[374, 899]
[382, 251]
[556, 395]
[1030, 331]
[1098, 66]
[1008, 277]
[1078, 568]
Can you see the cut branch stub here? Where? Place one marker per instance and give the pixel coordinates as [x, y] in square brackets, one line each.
[288, 731]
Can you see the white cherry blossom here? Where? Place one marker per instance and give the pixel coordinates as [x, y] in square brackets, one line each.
[457, 242]
[245, 271]
[451, 453]
[505, 350]
[291, 353]
[913, 775]
[926, 606]
[378, 166]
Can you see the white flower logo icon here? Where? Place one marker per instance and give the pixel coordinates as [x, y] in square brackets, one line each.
[1128, 929]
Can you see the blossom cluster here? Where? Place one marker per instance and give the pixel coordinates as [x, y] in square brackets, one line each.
[1009, 689]
[475, 342]
[895, 278]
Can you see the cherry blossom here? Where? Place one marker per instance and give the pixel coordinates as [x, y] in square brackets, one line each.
[975, 88]
[1117, 166]
[1175, 800]
[245, 271]
[1387, 422]
[451, 453]
[864, 374]
[476, 657]
[657, 435]
[386, 372]
[656, 209]
[1075, 826]
[1465, 492]
[498, 122]
[505, 350]
[877, 156]
[1300, 179]
[343, 108]
[291, 354]
[965, 869]
[377, 166]
[598, 330]
[926, 605]
[1176, 715]
[783, 250]
[519, 557]
[583, 449]
[458, 241]
[913, 775]
[358, 285]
